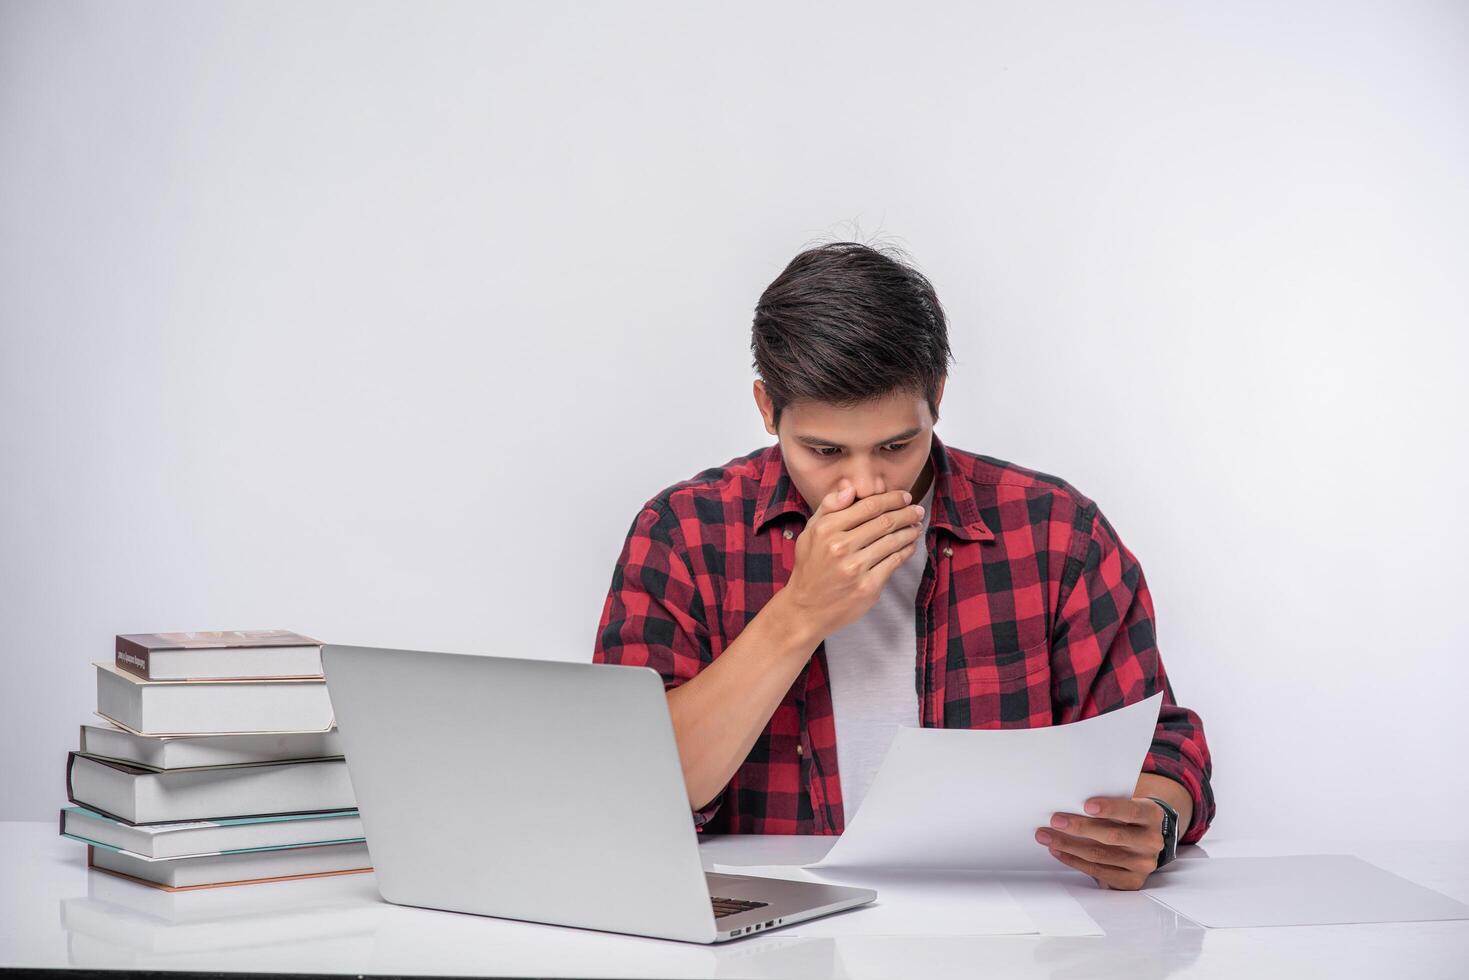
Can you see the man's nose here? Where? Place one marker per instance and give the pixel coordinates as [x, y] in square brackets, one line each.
[867, 483]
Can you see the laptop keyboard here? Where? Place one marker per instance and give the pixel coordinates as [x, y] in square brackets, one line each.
[729, 906]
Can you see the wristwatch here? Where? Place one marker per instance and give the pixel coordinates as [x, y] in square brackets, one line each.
[1170, 833]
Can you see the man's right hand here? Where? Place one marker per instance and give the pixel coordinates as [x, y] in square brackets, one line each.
[847, 553]
[843, 559]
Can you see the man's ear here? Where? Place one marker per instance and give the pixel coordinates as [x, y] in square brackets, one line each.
[938, 396]
[766, 406]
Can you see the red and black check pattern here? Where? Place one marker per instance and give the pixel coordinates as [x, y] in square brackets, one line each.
[1031, 612]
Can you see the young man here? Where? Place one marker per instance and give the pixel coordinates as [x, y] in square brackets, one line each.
[927, 586]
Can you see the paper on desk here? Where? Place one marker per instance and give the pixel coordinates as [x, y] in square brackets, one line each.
[972, 799]
[1299, 890]
[1046, 897]
[907, 904]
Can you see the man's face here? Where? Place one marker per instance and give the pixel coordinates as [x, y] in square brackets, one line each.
[877, 446]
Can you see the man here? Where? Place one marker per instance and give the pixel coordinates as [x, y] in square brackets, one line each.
[785, 634]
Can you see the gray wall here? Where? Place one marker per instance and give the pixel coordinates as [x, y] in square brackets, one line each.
[380, 321]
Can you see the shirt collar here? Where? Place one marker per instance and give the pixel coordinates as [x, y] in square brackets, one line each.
[954, 508]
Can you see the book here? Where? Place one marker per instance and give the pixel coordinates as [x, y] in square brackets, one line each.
[211, 707]
[193, 751]
[199, 837]
[212, 870]
[143, 796]
[223, 654]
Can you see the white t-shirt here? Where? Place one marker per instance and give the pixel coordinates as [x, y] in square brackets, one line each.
[872, 664]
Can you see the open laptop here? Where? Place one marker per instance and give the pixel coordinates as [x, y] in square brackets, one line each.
[543, 791]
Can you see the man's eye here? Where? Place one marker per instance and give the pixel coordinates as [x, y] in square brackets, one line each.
[826, 452]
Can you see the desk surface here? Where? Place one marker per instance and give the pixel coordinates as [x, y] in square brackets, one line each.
[54, 914]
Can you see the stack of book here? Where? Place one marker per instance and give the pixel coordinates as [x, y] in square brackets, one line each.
[216, 763]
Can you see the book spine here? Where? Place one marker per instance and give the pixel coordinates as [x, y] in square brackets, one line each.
[132, 657]
[71, 758]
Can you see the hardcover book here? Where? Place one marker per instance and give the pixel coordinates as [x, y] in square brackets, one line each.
[195, 838]
[221, 654]
[193, 751]
[143, 796]
[214, 706]
[212, 871]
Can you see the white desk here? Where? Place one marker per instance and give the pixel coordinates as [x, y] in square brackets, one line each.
[54, 914]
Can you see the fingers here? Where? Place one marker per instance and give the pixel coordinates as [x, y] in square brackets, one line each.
[867, 508]
[1117, 842]
[1148, 840]
[883, 570]
[882, 525]
[1105, 876]
[1144, 813]
[1095, 852]
[836, 500]
[883, 548]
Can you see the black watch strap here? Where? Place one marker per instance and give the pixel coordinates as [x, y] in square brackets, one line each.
[1170, 833]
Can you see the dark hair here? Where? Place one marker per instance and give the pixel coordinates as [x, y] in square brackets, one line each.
[845, 323]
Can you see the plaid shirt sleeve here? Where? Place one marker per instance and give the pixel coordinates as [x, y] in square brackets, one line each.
[1107, 656]
[653, 615]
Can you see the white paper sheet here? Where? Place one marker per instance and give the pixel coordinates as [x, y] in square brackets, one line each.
[907, 904]
[1310, 889]
[949, 798]
[1047, 899]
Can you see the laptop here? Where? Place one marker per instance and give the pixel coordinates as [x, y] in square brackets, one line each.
[542, 791]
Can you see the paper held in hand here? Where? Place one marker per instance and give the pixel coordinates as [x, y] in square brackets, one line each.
[973, 799]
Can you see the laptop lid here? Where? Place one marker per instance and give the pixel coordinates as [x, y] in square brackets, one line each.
[536, 790]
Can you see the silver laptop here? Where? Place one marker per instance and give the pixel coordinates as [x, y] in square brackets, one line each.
[542, 791]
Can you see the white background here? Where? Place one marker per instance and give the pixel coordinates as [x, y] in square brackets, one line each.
[379, 322]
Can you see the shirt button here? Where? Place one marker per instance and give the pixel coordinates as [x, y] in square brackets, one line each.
[788, 534]
[799, 751]
[948, 552]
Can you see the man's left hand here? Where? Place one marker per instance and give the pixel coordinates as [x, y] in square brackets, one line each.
[1116, 841]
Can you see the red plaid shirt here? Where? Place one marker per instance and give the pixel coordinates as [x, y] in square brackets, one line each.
[1031, 612]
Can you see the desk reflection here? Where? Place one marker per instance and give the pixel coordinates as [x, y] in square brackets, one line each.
[341, 925]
